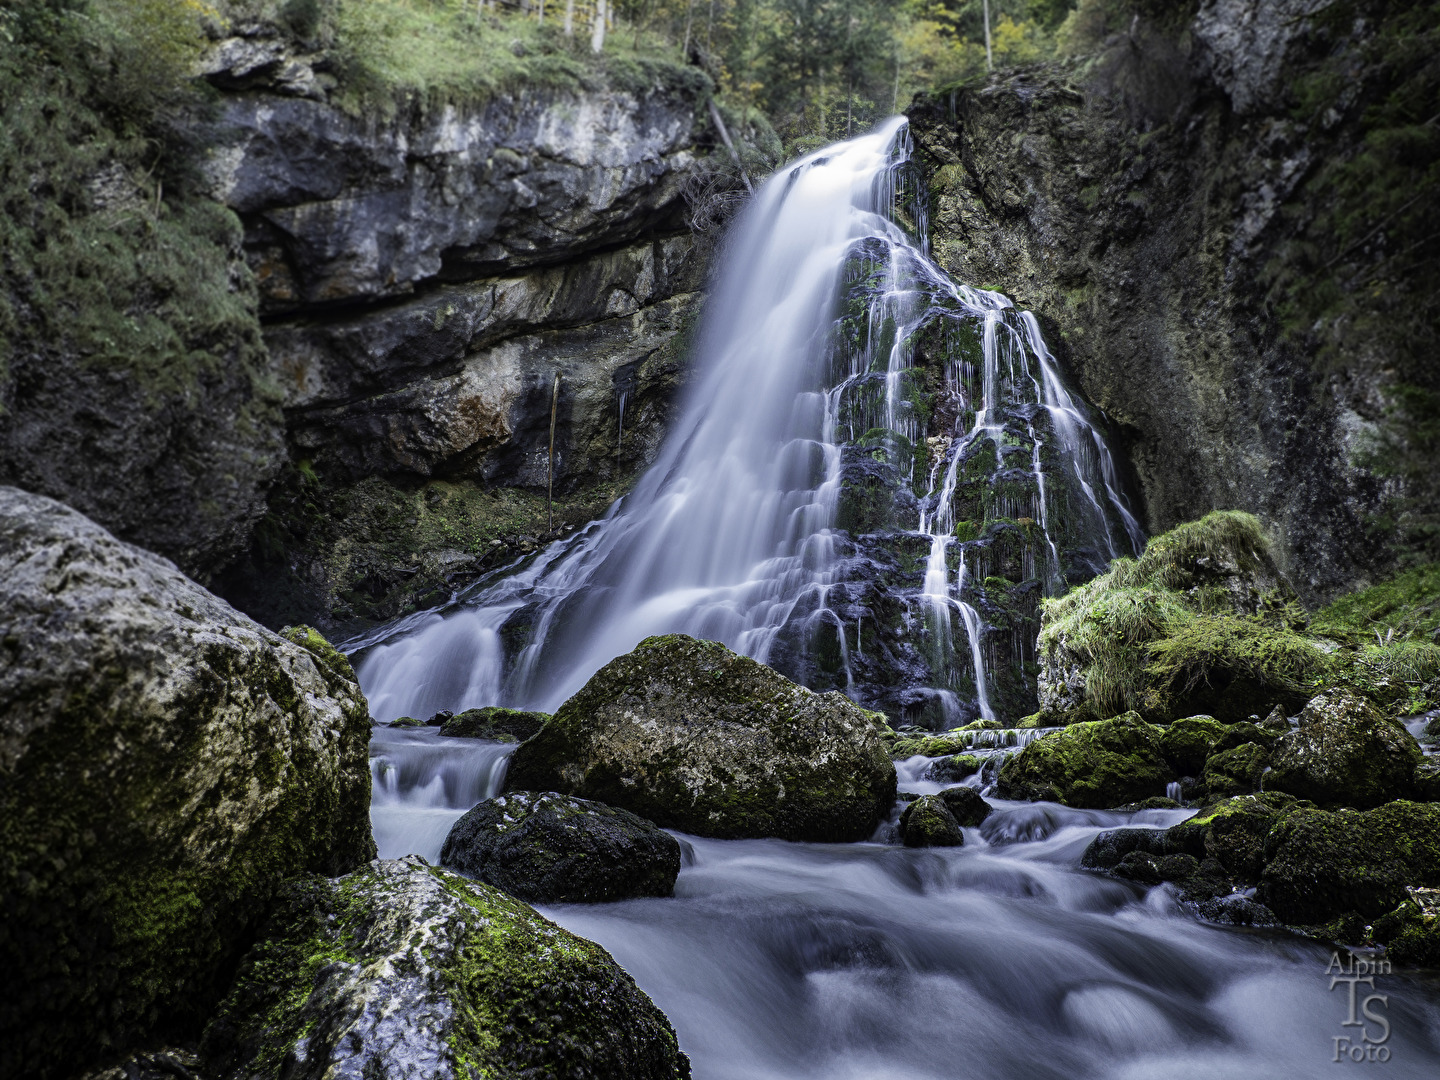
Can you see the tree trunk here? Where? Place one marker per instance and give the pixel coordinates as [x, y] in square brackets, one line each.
[569, 18]
[597, 31]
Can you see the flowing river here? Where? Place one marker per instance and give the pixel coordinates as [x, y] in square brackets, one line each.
[994, 960]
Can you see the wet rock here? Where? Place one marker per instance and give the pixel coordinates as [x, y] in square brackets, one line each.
[406, 721]
[1344, 752]
[167, 763]
[1096, 764]
[1235, 771]
[953, 769]
[1427, 781]
[966, 805]
[1149, 869]
[1110, 847]
[547, 848]
[1236, 910]
[402, 969]
[1411, 933]
[928, 822]
[1319, 865]
[1277, 721]
[502, 725]
[1232, 833]
[694, 737]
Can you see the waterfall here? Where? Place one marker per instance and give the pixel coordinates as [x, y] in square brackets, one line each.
[795, 495]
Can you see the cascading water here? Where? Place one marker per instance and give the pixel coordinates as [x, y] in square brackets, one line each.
[790, 504]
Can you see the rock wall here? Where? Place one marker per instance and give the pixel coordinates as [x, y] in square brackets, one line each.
[424, 277]
[1160, 201]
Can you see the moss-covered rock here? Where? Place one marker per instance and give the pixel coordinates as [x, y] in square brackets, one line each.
[1411, 933]
[694, 737]
[167, 763]
[1188, 742]
[1096, 764]
[502, 725]
[1198, 623]
[1235, 771]
[1344, 752]
[1427, 781]
[953, 769]
[966, 805]
[928, 822]
[402, 969]
[1319, 865]
[547, 848]
[1233, 833]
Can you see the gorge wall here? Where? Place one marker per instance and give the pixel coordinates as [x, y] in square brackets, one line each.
[1173, 204]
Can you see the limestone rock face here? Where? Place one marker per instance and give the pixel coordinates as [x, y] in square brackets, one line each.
[551, 849]
[1095, 764]
[1344, 752]
[164, 764]
[694, 737]
[406, 970]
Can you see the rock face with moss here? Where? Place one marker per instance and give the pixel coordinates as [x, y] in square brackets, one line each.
[1096, 764]
[493, 722]
[1344, 752]
[693, 737]
[928, 822]
[402, 969]
[547, 848]
[1201, 622]
[166, 764]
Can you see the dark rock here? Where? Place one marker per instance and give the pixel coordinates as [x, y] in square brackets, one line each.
[502, 725]
[1427, 781]
[167, 763]
[1096, 764]
[1232, 833]
[953, 769]
[1344, 752]
[549, 849]
[1411, 933]
[1187, 743]
[402, 969]
[694, 737]
[928, 822]
[1236, 911]
[1235, 771]
[439, 719]
[406, 721]
[1319, 865]
[966, 805]
[1276, 721]
[1109, 848]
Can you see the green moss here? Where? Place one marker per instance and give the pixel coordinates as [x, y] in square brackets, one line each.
[1405, 606]
[332, 660]
[1237, 662]
[1098, 764]
[493, 722]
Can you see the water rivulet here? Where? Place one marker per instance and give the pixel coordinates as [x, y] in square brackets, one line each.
[877, 475]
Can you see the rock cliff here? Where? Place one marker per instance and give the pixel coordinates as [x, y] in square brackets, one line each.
[1200, 206]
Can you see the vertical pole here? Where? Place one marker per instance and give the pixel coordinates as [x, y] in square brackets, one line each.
[989, 61]
[569, 18]
[550, 464]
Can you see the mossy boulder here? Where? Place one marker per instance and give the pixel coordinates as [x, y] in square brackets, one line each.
[1320, 865]
[1344, 752]
[166, 764]
[952, 769]
[928, 822]
[944, 744]
[1411, 933]
[1236, 771]
[1202, 622]
[1233, 832]
[1095, 764]
[966, 805]
[547, 848]
[501, 725]
[1427, 781]
[694, 737]
[402, 969]
[1187, 743]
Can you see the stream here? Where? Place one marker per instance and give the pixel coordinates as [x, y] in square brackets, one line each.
[1000, 959]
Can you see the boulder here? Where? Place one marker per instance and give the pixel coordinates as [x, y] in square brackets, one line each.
[966, 805]
[1427, 781]
[1344, 752]
[166, 763]
[1320, 865]
[928, 822]
[695, 737]
[1186, 743]
[1235, 771]
[502, 725]
[547, 848]
[1095, 764]
[1411, 933]
[1232, 833]
[406, 970]
[953, 769]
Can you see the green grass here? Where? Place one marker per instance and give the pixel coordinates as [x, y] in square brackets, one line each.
[1406, 606]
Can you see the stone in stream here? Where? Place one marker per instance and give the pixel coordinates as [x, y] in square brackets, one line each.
[166, 764]
[502, 725]
[547, 848]
[1092, 765]
[952, 769]
[928, 822]
[406, 970]
[1344, 752]
[695, 737]
[966, 805]
[1186, 743]
[1235, 771]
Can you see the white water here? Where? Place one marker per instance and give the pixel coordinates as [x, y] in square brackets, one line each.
[729, 536]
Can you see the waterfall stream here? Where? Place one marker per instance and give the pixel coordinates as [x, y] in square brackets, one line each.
[793, 500]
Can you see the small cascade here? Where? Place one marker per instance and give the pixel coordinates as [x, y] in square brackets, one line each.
[1172, 791]
[867, 444]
